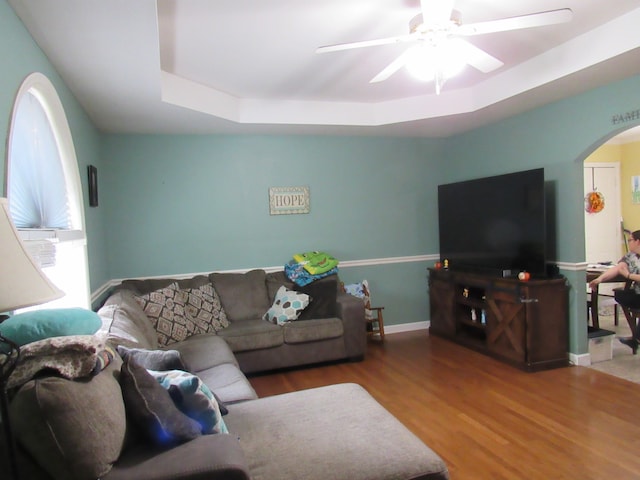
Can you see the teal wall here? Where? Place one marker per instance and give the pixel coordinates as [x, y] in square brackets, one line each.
[181, 204]
[21, 56]
[196, 203]
[178, 204]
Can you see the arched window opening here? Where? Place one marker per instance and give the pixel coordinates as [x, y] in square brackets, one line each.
[44, 191]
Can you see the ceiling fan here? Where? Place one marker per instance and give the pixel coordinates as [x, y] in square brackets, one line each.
[437, 52]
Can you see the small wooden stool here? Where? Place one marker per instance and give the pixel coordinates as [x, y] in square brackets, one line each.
[375, 326]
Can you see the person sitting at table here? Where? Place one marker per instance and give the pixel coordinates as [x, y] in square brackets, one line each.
[629, 268]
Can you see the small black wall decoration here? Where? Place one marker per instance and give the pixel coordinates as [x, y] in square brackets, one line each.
[93, 185]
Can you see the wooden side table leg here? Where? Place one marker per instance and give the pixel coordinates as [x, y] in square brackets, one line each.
[380, 320]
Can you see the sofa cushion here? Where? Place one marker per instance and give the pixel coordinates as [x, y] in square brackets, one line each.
[125, 323]
[287, 306]
[228, 383]
[210, 457]
[313, 330]
[177, 314]
[154, 359]
[244, 296]
[323, 295]
[35, 325]
[72, 428]
[204, 351]
[151, 408]
[193, 398]
[274, 281]
[252, 335]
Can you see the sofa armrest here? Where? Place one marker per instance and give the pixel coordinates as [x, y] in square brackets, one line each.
[350, 310]
[209, 457]
[125, 323]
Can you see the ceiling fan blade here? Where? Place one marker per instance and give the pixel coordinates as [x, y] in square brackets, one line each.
[365, 43]
[436, 11]
[392, 68]
[475, 56]
[541, 19]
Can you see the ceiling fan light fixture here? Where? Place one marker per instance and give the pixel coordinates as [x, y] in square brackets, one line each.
[434, 62]
[420, 25]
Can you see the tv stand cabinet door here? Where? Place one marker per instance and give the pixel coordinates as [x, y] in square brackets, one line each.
[441, 306]
[506, 327]
[547, 325]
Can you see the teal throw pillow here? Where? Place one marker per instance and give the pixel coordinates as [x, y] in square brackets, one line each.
[287, 306]
[193, 398]
[35, 325]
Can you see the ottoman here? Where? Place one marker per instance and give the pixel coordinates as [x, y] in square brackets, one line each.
[335, 432]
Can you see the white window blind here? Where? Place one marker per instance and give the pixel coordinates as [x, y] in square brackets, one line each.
[36, 181]
[43, 183]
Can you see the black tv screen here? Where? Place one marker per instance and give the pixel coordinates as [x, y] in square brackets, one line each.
[494, 225]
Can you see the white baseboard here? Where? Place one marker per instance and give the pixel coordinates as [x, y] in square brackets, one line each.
[582, 360]
[406, 327]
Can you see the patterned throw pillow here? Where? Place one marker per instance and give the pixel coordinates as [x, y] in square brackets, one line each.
[287, 306]
[178, 314]
[193, 398]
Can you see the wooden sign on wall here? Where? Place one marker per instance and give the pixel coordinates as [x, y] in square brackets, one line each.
[288, 200]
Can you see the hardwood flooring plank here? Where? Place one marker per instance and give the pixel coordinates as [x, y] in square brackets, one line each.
[488, 420]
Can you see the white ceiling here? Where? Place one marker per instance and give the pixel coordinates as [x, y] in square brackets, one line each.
[246, 66]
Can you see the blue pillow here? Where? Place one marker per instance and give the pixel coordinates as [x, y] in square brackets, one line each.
[35, 325]
[193, 398]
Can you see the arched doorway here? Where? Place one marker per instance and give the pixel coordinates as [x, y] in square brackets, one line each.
[613, 171]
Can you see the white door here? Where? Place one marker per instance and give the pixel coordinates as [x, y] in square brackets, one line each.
[604, 241]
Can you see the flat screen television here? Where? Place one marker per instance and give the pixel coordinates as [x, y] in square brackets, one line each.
[494, 225]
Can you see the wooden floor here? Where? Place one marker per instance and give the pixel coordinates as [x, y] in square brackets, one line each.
[488, 420]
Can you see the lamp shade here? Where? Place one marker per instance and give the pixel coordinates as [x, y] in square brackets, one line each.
[22, 283]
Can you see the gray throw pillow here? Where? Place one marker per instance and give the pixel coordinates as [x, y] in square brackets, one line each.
[151, 408]
[160, 360]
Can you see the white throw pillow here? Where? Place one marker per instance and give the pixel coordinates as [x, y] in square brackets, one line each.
[287, 306]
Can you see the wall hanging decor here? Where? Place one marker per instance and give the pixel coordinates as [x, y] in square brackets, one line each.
[288, 200]
[93, 185]
[594, 200]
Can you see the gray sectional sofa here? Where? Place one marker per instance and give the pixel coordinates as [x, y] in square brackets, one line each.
[85, 428]
[331, 328]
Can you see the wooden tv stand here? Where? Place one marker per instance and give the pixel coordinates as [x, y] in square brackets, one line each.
[522, 323]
